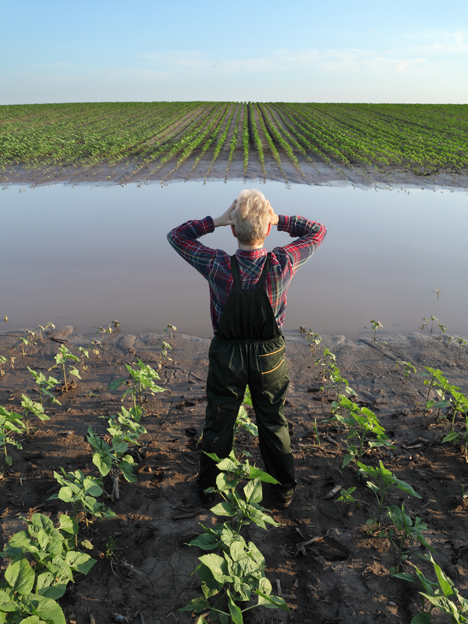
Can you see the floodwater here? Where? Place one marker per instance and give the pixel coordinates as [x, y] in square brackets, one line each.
[86, 256]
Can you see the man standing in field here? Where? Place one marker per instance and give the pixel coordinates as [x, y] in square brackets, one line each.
[248, 307]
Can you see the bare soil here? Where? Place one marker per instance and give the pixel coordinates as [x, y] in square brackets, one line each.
[342, 577]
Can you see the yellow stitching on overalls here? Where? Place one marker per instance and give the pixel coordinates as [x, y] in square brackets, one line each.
[272, 353]
[273, 369]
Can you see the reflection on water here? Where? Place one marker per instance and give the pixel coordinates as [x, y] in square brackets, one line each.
[87, 256]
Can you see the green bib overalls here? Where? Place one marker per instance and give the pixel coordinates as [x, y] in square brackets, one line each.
[248, 348]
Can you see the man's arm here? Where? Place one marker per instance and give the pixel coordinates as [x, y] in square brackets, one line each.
[225, 218]
[184, 240]
[310, 235]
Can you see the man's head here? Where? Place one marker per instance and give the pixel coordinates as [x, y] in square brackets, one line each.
[251, 217]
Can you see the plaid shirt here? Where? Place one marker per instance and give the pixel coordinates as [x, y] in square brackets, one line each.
[215, 264]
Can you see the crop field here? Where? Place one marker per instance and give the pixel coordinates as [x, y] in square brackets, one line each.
[134, 141]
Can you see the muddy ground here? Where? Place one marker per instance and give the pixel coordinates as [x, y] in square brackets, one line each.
[342, 577]
[312, 173]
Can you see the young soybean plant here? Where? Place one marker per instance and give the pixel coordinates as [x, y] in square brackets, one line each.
[328, 367]
[315, 340]
[403, 530]
[441, 594]
[433, 318]
[31, 407]
[442, 387]
[461, 407]
[82, 492]
[172, 329]
[45, 386]
[84, 353]
[124, 429]
[375, 326]
[61, 359]
[142, 378]
[442, 329]
[238, 572]
[53, 551]
[408, 368]
[106, 330]
[437, 379]
[380, 481]
[41, 328]
[365, 430]
[24, 343]
[26, 596]
[165, 348]
[10, 422]
[339, 383]
[243, 421]
[461, 345]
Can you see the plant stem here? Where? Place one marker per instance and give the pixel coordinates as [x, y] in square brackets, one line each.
[64, 377]
[429, 391]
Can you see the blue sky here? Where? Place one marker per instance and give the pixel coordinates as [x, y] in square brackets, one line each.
[58, 51]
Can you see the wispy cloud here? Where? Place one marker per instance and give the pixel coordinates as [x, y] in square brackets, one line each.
[274, 61]
[195, 60]
[368, 62]
[441, 43]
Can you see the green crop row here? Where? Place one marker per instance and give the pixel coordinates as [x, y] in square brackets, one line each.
[255, 136]
[44, 559]
[363, 432]
[233, 144]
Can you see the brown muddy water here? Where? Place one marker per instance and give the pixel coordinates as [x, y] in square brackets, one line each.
[86, 256]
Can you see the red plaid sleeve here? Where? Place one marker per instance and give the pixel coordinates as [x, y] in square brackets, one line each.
[309, 236]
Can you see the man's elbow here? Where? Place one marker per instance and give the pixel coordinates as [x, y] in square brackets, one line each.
[321, 232]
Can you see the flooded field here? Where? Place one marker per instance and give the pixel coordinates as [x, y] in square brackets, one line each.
[89, 255]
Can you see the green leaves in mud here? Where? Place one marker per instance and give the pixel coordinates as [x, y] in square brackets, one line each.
[364, 428]
[65, 359]
[31, 407]
[441, 594]
[238, 572]
[10, 423]
[243, 420]
[29, 594]
[380, 481]
[241, 510]
[45, 386]
[111, 456]
[142, 380]
[404, 529]
[81, 492]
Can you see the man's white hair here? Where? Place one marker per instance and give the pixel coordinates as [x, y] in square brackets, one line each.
[251, 217]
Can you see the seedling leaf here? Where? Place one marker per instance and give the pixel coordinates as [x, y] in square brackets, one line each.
[272, 602]
[20, 576]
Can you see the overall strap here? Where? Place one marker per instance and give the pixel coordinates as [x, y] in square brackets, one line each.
[235, 272]
[261, 281]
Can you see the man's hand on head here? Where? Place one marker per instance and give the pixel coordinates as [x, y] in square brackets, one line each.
[225, 218]
[274, 216]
